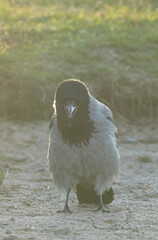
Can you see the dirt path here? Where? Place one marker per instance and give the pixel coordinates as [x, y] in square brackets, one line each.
[28, 199]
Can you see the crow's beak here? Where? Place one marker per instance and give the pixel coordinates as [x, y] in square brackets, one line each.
[70, 110]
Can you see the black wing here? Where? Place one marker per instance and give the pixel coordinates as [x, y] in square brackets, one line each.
[88, 195]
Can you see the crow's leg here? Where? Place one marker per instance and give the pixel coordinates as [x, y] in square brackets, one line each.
[66, 207]
[101, 205]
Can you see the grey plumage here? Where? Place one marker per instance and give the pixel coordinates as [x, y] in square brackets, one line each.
[84, 151]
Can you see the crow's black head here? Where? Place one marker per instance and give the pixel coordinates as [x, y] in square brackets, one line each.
[71, 103]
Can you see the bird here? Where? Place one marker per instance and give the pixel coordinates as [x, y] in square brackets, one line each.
[82, 149]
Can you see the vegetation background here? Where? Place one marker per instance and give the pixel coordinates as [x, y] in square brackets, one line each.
[111, 45]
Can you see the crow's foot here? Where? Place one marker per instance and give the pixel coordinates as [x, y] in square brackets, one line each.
[65, 210]
[101, 209]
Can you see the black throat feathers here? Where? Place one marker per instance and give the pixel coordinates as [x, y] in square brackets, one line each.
[77, 135]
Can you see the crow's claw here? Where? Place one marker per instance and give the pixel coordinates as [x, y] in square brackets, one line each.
[65, 210]
[101, 210]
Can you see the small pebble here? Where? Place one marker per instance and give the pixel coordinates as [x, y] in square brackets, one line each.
[52, 226]
[31, 228]
[62, 231]
[12, 219]
[132, 140]
[8, 231]
[41, 169]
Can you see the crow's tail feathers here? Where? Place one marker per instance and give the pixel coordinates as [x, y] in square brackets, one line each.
[89, 196]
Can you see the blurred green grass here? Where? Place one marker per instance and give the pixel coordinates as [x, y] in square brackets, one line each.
[110, 45]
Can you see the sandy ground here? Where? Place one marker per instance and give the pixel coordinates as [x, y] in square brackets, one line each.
[29, 200]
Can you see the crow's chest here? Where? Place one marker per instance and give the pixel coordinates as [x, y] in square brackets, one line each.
[83, 159]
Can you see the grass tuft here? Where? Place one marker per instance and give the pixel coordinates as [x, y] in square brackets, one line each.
[2, 177]
[144, 159]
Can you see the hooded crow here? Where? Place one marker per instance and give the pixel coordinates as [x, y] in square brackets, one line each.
[82, 149]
